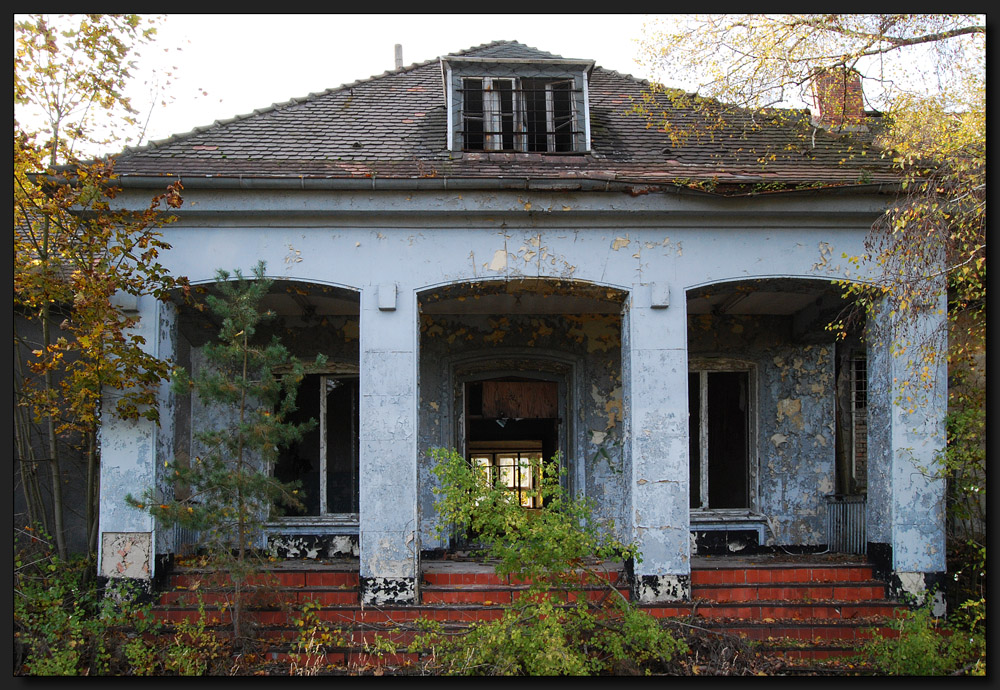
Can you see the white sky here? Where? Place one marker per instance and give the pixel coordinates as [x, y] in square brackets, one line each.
[230, 65]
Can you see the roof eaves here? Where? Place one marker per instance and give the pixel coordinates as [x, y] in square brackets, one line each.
[632, 184]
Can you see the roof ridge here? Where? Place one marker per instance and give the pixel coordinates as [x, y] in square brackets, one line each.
[504, 42]
[489, 45]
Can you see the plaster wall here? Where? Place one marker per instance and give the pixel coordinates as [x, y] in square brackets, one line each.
[907, 403]
[655, 374]
[421, 240]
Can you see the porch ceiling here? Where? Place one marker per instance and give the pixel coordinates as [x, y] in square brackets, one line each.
[528, 296]
[780, 297]
[300, 303]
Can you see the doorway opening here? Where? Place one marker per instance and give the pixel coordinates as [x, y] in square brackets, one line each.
[720, 431]
[512, 432]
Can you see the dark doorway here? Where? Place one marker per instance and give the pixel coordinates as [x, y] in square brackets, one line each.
[719, 439]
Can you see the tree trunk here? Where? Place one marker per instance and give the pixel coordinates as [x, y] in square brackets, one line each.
[53, 441]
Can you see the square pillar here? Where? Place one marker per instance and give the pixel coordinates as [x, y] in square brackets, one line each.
[655, 378]
[907, 402]
[388, 449]
[130, 452]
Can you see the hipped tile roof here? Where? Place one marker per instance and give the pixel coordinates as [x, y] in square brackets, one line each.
[393, 126]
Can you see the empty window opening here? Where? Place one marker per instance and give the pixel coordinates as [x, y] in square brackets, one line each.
[326, 459]
[515, 114]
[719, 439]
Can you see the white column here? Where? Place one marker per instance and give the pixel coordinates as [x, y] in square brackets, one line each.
[907, 402]
[654, 372]
[129, 451]
[388, 449]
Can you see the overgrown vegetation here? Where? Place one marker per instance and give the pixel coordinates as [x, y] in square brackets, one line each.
[77, 353]
[921, 645]
[569, 619]
[228, 491]
[65, 626]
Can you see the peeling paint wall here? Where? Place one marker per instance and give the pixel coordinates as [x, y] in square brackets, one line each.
[129, 460]
[594, 448]
[655, 376]
[907, 404]
[795, 447]
[409, 241]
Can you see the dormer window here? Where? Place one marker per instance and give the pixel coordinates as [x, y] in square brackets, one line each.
[516, 105]
[511, 114]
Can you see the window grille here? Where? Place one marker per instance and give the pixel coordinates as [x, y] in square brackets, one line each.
[846, 524]
[518, 471]
[519, 115]
[859, 420]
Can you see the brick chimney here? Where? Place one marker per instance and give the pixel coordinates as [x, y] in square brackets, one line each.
[838, 102]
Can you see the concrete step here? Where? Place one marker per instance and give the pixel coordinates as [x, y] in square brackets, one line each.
[792, 591]
[801, 610]
[779, 574]
[778, 610]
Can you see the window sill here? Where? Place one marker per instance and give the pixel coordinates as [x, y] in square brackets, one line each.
[504, 156]
[312, 522]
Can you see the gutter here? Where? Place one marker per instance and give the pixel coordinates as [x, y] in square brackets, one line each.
[375, 183]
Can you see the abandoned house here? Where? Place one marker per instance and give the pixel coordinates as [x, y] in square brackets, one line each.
[495, 257]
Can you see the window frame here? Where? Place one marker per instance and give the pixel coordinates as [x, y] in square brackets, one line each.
[324, 516]
[529, 455]
[506, 125]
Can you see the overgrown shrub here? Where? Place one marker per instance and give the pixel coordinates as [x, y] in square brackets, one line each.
[62, 624]
[553, 627]
[921, 645]
[313, 639]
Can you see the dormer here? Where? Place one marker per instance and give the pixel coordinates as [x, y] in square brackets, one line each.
[517, 105]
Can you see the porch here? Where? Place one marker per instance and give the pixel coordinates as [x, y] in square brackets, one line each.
[800, 607]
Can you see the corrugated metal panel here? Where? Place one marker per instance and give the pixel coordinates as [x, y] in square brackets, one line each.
[185, 540]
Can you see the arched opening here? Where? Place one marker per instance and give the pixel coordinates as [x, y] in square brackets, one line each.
[520, 372]
[776, 412]
[309, 319]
